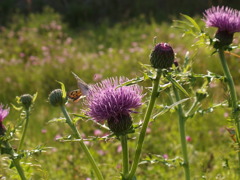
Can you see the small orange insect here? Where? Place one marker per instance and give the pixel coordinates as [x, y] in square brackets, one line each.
[77, 94]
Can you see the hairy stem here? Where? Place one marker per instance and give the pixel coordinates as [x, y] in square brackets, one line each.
[233, 94]
[125, 155]
[83, 146]
[15, 161]
[182, 135]
[145, 125]
[24, 131]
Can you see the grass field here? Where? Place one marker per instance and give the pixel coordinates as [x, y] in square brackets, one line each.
[36, 52]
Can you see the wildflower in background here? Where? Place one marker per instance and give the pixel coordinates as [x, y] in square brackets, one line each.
[227, 20]
[162, 56]
[98, 132]
[107, 101]
[188, 138]
[165, 156]
[3, 114]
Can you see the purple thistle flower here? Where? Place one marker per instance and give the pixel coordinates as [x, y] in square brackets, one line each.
[226, 19]
[107, 101]
[3, 114]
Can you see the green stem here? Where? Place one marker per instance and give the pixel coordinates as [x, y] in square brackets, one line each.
[234, 100]
[182, 135]
[145, 125]
[125, 155]
[24, 131]
[15, 161]
[83, 146]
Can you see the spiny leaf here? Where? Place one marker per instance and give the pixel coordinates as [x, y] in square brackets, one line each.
[63, 89]
[167, 108]
[61, 119]
[132, 81]
[192, 21]
[177, 85]
[16, 108]
[35, 96]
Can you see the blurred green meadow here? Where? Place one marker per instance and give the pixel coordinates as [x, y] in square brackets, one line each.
[37, 51]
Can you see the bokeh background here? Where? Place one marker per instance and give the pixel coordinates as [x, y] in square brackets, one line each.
[42, 41]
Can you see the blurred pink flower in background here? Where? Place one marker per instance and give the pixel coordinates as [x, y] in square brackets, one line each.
[98, 132]
[58, 136]
[165, 156]
[119, 149]
[188, 139]
[44, 131]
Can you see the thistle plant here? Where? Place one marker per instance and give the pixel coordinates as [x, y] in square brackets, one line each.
[26, 101]
[5, 146]
[58, 98]
[108, 102]
[227, 20]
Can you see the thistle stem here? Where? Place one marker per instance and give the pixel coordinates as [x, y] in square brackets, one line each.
[124, 143]
[83, 146]
[182, 119]
[234, 100]
[15, 161]
[24, 131]
[145, 125]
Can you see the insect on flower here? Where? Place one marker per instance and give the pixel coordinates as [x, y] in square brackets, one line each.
[78, 94]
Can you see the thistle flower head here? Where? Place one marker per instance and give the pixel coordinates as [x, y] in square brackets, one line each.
[56, 98]
[162, 56]
[226, 19]
[107, 101]
[26, 100]
[3, 114]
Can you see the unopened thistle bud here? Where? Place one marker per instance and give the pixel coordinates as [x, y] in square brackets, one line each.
[26, 100]
[56, 98]
[162, 56]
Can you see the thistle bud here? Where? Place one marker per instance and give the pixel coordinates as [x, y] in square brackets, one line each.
[56, 98]
[224, 38]
[162, 56]
[26, 100]
[120, 125]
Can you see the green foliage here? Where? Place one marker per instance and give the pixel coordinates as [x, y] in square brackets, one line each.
[37, 51]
